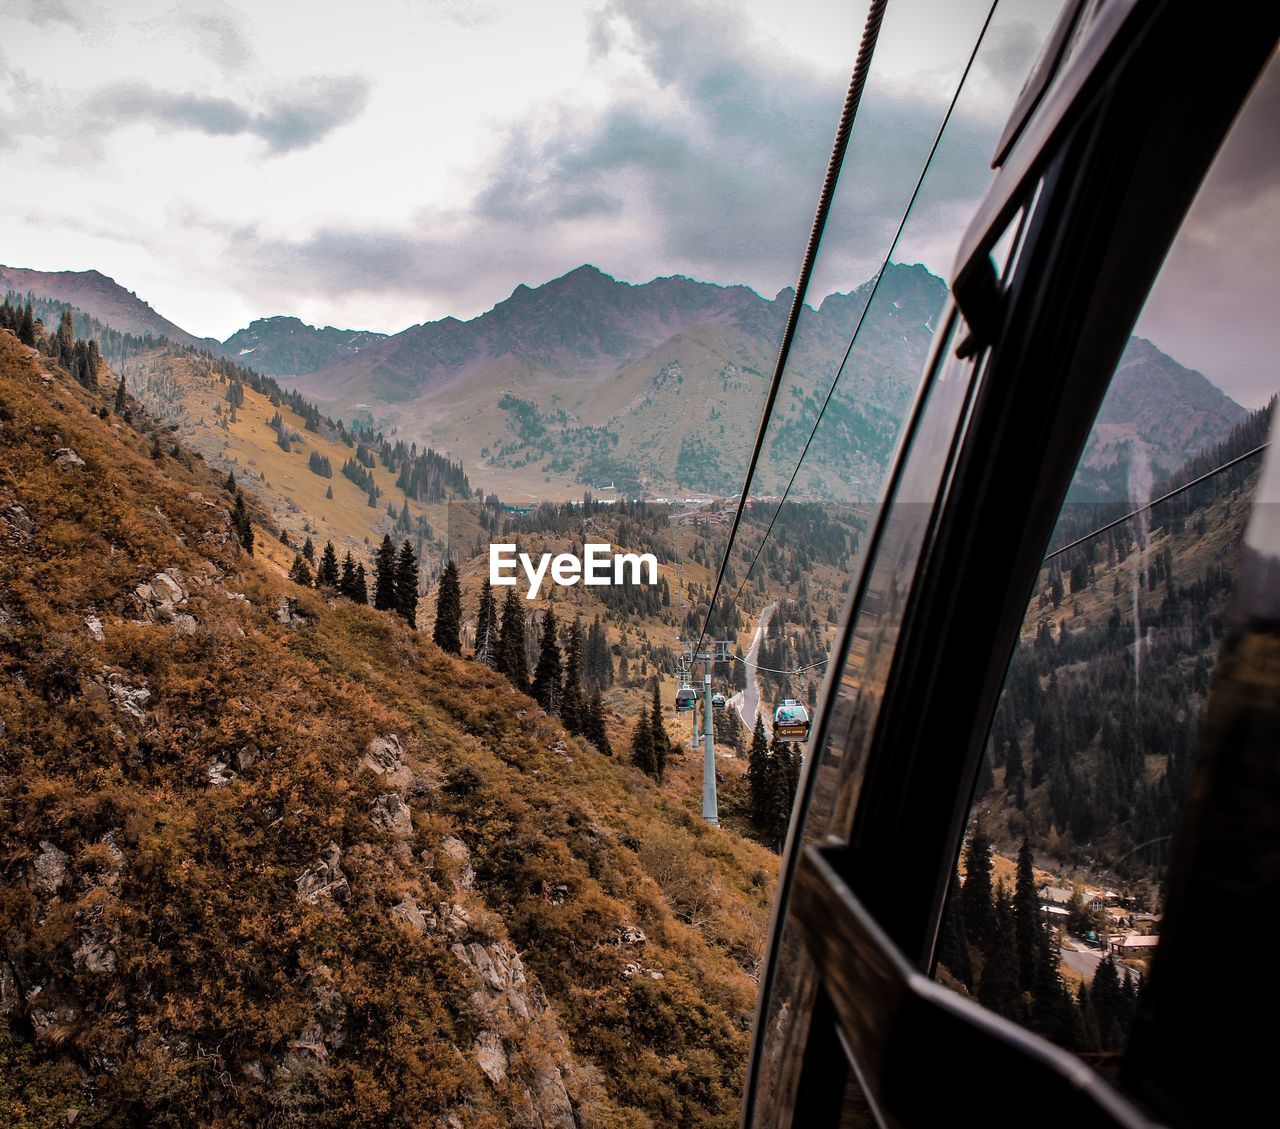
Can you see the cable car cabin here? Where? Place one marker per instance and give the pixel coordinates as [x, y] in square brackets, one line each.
[717, 701]
[686, 698]
[791, 721]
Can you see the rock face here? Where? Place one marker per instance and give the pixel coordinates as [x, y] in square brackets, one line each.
[324, 878]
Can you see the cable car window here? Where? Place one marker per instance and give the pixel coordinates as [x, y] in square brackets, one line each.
[1054, 917]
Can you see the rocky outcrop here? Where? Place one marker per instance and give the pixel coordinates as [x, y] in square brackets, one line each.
[66, 457]
[161, 598]
[324, 878]
[128, 699]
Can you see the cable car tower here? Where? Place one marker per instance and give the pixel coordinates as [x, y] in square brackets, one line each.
[714, 651]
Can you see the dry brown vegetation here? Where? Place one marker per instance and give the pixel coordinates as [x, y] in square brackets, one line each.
[157, 963]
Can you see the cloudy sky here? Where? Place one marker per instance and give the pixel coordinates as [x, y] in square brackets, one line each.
[379, 164]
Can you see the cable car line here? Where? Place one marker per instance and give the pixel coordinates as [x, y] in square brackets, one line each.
[902, 223]
[775, 670]
[1163, 498]
[853, 98]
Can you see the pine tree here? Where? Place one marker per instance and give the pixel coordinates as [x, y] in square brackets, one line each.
[596, 732]
[243, 524]
[309, 551]
[121, 392]
[300, 573]
[512, 658]
[229, 486]
[487, 627]
[329, 494]
[66, 339]
[407, 584]
[157, 452]
[976, 896]
[780, 793]
[642, 745]
[361, 591]
[448, 626]
[384, 567]
[998, 988]
[27, 327]
[573, 709]
[658, 735]
[547, 674]
[1026, 910]
[327, 573]
[953, 944]
[1109, 1005]
[758, 774]
[347, 580]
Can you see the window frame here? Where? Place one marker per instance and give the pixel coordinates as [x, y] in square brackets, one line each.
[1109, 162]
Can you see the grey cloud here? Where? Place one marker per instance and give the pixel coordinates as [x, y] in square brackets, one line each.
[716, 176]
[221, 39]
[48, 13]
[287, 122]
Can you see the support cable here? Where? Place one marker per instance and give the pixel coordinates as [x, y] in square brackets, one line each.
[902, 223]
[853, 98]
[1163, 498]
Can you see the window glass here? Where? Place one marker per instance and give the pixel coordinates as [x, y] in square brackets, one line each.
[1054, 915]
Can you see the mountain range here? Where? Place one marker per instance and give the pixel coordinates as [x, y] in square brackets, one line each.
[586, 381]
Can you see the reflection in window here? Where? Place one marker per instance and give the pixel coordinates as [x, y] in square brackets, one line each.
[1053, 917]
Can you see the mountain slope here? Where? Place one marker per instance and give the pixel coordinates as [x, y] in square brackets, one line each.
[100, 297]
[274, 858]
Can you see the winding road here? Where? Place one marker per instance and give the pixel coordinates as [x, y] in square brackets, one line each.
[747, 702]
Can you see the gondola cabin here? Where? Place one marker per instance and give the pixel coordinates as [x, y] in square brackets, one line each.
[791, 721]
[686, 697]
[717, 701]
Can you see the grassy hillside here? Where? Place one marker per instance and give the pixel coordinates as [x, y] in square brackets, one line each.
[232, 896]
[184, 390]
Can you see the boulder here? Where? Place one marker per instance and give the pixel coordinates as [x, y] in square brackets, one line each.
[51, 869]
[392, 814]
[384, 754]
[410, 915]
[66, 457]
[323, 878]
[94, 624]
[220, 774]
[18, 520]
[456, 851]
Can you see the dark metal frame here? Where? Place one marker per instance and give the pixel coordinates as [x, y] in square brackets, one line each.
[1113, 148]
